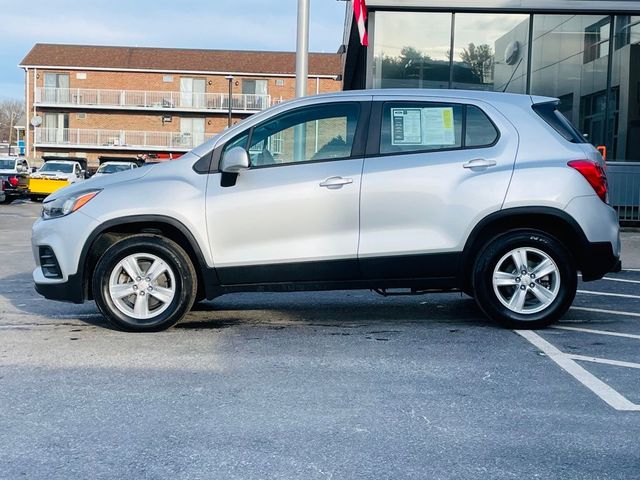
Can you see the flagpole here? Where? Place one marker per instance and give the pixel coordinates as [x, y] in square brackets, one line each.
[302, 48]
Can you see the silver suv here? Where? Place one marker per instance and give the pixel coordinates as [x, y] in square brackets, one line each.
[414, 191]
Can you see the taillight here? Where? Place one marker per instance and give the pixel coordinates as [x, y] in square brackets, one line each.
[13, 181]
[594, 174]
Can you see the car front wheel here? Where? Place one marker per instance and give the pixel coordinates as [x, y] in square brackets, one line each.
[524, 279]
[144, 283]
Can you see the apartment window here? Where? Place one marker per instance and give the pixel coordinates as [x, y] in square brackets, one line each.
[254, 87]
[279, 82]
[596, 40]
[81, 76]
[192, 92]
[55, 127]
[56, 87]
[81, 116]
[191, 131]
[167, 78]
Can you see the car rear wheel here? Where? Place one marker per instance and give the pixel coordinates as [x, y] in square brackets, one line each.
[144, 283]
[524, 279]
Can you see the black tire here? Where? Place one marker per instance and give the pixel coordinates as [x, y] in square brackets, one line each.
[495, 251]
[184, 286]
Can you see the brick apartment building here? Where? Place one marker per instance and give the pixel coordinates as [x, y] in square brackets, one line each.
[93, 101]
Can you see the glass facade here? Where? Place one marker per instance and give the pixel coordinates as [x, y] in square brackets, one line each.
[590, 62]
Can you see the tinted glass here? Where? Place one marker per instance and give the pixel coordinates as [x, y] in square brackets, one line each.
[490, 52]
[480, 132]
[416, 127]
[550, 114]
[411, 50]
[7, 164]
[323, 132]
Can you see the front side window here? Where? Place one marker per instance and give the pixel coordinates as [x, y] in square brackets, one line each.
[324, 132]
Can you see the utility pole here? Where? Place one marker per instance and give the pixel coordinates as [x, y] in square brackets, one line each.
[302, 48]
[12, 117]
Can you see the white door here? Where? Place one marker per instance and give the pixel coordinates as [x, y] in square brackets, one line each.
[293, 216]
[192, 131]
[56, 127]
[56, 87]
[192, 92]
[430, 185]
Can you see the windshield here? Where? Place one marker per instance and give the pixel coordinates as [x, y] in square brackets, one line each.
[57, 167]
[7, 164]
[111, 168]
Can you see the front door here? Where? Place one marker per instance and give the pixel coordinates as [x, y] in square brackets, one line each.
[441, 167]
[293, 216]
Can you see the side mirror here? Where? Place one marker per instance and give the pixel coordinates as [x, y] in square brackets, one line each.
[235, 160]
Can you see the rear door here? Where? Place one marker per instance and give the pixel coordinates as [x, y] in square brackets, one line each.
[433, 170]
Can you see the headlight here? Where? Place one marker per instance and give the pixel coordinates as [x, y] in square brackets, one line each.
[65, 205]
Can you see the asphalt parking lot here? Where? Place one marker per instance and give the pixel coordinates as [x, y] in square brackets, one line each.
[335, 385]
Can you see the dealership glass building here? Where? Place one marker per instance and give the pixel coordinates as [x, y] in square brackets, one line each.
[585, 52]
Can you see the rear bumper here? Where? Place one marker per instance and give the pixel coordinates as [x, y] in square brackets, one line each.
[597, 259]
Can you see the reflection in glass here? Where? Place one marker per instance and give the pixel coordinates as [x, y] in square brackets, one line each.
[490, 52]
[411, 50]
[623, 139]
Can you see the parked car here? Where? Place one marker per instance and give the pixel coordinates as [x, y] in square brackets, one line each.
[14, 173]
[108, 168]
[56, 173]
[2, 194]
[398, 191]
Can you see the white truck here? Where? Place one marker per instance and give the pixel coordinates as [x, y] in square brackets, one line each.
[55, 173]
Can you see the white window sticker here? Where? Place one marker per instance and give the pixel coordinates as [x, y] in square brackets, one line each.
[407, 126]
[422, 126]
[438, 124]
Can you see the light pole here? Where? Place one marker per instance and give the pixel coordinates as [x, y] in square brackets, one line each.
[302, 48]
[230, 79]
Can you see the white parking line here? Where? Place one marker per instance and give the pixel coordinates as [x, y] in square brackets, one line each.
[598, 332]
[602, 310]
[593, 383]
[623, 280]
[609, 294]
[604, 361]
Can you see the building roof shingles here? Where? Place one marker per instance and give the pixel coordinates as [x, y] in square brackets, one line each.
[175, 59]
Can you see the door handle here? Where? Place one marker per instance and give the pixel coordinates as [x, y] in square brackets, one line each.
[335, 182]
[479, 163]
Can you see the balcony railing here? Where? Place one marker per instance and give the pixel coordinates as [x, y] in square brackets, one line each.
[117, 139]
[149, 100]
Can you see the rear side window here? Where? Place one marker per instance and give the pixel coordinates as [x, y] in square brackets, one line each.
[409, 127]
[549, 113]
[417, 127]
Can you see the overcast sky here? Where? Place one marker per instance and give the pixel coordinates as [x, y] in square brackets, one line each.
[223, 24]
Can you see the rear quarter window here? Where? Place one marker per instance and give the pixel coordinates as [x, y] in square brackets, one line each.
[479, 131]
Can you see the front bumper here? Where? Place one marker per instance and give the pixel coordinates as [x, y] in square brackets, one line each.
[71, 290]
[67, 237]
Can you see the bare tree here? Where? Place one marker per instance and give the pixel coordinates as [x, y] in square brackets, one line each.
[10, 112]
